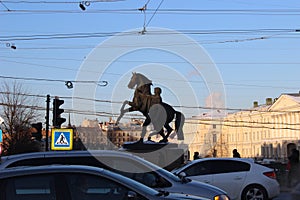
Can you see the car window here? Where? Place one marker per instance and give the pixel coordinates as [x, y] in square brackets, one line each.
[88, 187]
[23, 162]
[30, 188]
[201, 168]
[216, 167]
[228, 166]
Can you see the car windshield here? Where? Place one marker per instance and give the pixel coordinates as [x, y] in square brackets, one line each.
[169, 175]
[134, 184]
[161, 170]
[178, 169]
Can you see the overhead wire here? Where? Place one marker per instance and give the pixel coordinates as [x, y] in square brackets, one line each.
[57, 2]
[211, 121]
[148, 61]
[104, 83]
[154, 13]
[4, 6]
[143, 9]
[177, 11]
[175, 106]
[99, 83]
[276, 32]
[205, 121]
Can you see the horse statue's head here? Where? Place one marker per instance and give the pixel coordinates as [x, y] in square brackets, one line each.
[138, 80]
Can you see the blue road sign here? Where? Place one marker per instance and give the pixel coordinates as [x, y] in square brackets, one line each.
[62, 139]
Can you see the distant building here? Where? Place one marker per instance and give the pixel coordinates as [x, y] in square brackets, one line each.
[270, 130]
[108, 135]
[90, 123]
[118, 134]
[203, 134]
[92, 138]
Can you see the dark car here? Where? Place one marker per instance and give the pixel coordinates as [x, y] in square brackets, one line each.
[75, 182]
[123, 163]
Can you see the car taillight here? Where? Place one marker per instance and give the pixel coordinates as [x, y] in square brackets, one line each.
[271, 174]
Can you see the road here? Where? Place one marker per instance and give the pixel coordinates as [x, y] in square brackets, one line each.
[284, 196]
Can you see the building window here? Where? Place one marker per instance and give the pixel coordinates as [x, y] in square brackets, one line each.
[214, 138]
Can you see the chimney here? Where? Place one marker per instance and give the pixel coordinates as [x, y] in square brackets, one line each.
[269, 101]
[255, 104]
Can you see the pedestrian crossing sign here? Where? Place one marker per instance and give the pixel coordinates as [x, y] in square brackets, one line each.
[62, 139]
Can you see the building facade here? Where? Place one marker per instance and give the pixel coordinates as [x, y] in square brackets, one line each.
[269, 130]
[203, 134]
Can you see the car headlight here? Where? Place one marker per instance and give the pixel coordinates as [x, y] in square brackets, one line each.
[221, 197]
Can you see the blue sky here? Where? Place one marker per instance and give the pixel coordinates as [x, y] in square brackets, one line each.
[254, 45]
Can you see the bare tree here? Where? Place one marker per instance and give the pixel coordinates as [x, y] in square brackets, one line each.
[19, 111]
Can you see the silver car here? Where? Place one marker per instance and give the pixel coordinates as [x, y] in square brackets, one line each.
[75, 182]
[123, 163]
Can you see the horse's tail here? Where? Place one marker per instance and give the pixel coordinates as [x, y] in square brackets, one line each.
[179, 121]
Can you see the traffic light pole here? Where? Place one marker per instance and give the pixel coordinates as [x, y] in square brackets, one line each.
[47, 121]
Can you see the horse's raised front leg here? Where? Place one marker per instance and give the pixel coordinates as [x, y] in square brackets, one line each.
[123, 111]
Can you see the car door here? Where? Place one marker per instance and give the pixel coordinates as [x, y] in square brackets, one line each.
[31, 187]
[200, 171]
[229, 175]
[84, 186]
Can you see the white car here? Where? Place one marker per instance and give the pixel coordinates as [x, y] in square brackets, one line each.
[242, 179]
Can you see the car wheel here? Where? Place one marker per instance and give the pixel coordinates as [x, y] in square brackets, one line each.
[254, 192]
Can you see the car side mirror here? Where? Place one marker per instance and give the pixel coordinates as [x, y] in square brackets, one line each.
[182, 175]
[131, 195]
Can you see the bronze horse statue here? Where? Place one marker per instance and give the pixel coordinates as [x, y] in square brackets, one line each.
[160, 114]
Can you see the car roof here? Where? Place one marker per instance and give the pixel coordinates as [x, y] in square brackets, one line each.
[27, 170]
[249, 160]
[69, 153]
[8, 160]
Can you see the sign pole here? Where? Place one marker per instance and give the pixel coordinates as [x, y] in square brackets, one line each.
[47, 122]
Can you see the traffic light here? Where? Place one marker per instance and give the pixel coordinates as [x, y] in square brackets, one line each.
[57, 119]
[37, 133]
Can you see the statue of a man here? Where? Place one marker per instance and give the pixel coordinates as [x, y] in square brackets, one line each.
[150, 100]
